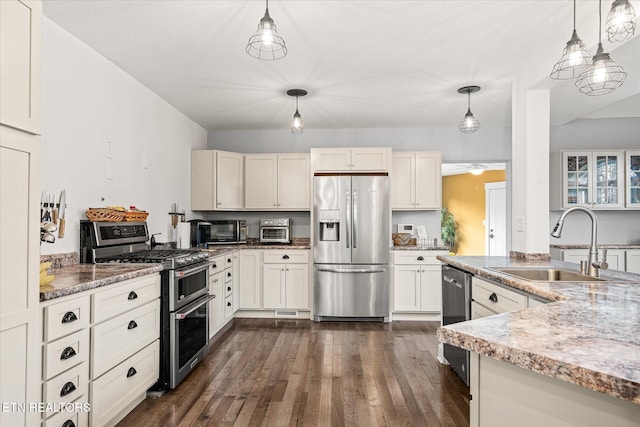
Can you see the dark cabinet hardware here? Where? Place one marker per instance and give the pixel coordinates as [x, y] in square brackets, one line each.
[493, 297]
[67, 389]
[132, 325]
[131, 372]
[229, 304]
[69, 317]
[229, 288]
[285, 257]
[420, 258]
[228, 274]
[132, 295]
[67, 353]
[69, 423]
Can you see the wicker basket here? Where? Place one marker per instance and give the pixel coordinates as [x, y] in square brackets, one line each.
[136, 216]
[105, 215]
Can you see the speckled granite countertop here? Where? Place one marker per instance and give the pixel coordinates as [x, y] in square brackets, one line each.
[605, 246]
[297, 243]
[83, 277]
[589, 335]
[419, 248]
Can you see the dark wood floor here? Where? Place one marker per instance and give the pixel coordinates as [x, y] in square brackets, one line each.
[267, 372]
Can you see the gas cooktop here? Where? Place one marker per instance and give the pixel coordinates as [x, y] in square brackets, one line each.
[169, 258]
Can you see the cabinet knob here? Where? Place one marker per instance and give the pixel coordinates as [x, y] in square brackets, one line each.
[493, 297]
[69, 317]
[229, 304]
[69, 423]
[131, 372]
[229, 288]
[68, 388]
[132, 295]
[132, 325]
[420, 258]
[285, 257]
[67, 353]
[214, 265]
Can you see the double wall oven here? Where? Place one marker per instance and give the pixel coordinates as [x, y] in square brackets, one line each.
[184, 295]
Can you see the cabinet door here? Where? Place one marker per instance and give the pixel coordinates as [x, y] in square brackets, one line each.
[633, 261]
[261, 176]
[608, 179]
[202, 180]
[431, 288]
[406, 288]
[576, 179]
[294, 181]
[229, 180]
[297, 286]
[216, 306]
[428, 186]
[250, 280]
[615, 257]
[632, 178]
[273, 286]
[20, 57]
[403, 181]
[370, 159]
[331, 159]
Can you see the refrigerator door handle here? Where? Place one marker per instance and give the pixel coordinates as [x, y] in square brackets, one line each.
[355, 218]
[348, 233]
[350, 270]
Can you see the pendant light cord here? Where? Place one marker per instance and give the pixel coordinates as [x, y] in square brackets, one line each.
[268, 5]
[296, 104]
[599, 21]
[469, 101]
[574, 15]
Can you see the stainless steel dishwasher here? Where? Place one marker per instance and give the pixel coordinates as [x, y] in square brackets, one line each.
[456, 307]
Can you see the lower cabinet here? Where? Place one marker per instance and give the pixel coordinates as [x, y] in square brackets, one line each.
[250, 280]
[286, 286]
[615, 257]
[417, 281]
[632, 261]
[489, 298]
[100, 352]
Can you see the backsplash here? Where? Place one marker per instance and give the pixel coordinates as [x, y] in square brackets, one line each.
[61, 260]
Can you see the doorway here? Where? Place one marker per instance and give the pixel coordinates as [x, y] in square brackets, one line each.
[495, 219]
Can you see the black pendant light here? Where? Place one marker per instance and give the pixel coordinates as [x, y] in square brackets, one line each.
[621, 21]
[469, 124]
[297, 124]
[266, 43]
[604, 75]
[575, 57]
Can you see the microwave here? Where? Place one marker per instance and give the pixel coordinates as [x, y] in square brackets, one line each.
[275, 230]
[218, 232]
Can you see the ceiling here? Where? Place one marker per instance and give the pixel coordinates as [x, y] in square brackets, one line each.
[365, 64]
[462, 168]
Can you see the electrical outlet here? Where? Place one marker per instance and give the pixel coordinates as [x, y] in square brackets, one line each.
[520, 224]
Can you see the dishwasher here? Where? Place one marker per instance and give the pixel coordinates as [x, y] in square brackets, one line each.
[456, 307]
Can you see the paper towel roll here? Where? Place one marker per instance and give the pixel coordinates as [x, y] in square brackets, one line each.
[184, 235]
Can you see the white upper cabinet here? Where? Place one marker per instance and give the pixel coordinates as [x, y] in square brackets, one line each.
[593, 179]
[373, 159]
[20, 59]
[217, 180]
[417, 181]
[277, 181]
[632, 178]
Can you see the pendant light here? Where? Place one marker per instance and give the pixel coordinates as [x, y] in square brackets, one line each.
[469, 124]
[604, 75]
[477, 169]
[297, 124]
[621, 21]
[575, 57]
[266, 43]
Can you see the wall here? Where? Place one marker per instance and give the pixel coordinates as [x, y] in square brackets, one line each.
[464, 196]
[88, 101]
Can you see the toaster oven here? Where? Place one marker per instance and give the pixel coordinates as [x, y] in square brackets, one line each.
[275, 230]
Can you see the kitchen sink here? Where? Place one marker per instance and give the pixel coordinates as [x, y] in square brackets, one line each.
[548, 275]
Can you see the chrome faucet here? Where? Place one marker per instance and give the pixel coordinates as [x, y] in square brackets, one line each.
[592, 266]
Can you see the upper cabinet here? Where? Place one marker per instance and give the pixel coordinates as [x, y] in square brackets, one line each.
[632, 178]
[593, 179]
[277, 181]
[416, 183]
[20, 59]
[217, 180]
[374, 159]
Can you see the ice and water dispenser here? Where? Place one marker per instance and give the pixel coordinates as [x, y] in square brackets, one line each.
[329, 220]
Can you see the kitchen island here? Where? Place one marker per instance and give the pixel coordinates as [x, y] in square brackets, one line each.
[573, 361]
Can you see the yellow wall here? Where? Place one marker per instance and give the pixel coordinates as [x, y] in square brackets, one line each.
[463, 195]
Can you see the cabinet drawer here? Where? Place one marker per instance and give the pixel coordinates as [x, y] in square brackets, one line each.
[65, 353]
[68, 386]
[496, 298]
[228, 260]
[79, 417]
[286, 257]
[118, 338]
[228, 289]
[479, 311]
[129, 295]
[65, 317]
[228, 307]
[228, 275]
[217, 265]
[116, 389]
[416, 257]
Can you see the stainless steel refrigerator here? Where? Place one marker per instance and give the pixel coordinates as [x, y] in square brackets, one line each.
[351, 247]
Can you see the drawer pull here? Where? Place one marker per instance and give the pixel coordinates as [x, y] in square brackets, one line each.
[214, 265]
[132, 295]
[229, 274]
[285, 256]
[420, 258]
[67, 353]
[69, 317]
[131, 372]
[229, 260]
[67, 389]
[69, 423]
[493, 297]
[132, 325]
[229, 304]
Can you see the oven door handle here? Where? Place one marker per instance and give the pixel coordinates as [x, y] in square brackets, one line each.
[194, 270]
[180, 315]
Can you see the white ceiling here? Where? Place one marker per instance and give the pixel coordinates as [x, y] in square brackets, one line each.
[364, 63]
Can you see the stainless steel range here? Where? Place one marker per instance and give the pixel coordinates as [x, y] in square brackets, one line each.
[184, 296]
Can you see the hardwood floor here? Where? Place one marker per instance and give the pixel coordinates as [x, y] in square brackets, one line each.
[268, 372]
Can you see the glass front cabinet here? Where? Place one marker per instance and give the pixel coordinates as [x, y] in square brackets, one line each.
[596, 179]
[632, 177]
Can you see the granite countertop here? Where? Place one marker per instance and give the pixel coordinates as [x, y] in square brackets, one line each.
[588, 335]
[419, 248]
[83, 277]
[605, 246]
[296, 243]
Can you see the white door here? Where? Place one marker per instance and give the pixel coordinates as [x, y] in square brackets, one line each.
[495, 219]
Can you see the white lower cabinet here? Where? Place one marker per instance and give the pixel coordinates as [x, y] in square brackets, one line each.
[286, 279]
[250, 283]
[216, 308]
[112, 330]
[489, 298]
[615, 257]
[632, 261]
[417, 278]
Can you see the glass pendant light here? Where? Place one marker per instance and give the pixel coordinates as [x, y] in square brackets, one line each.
[621, 22]
[604, 75]
[266, 43]
[297, 124]
[575, 57]
[469, 124]
[477, 169]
